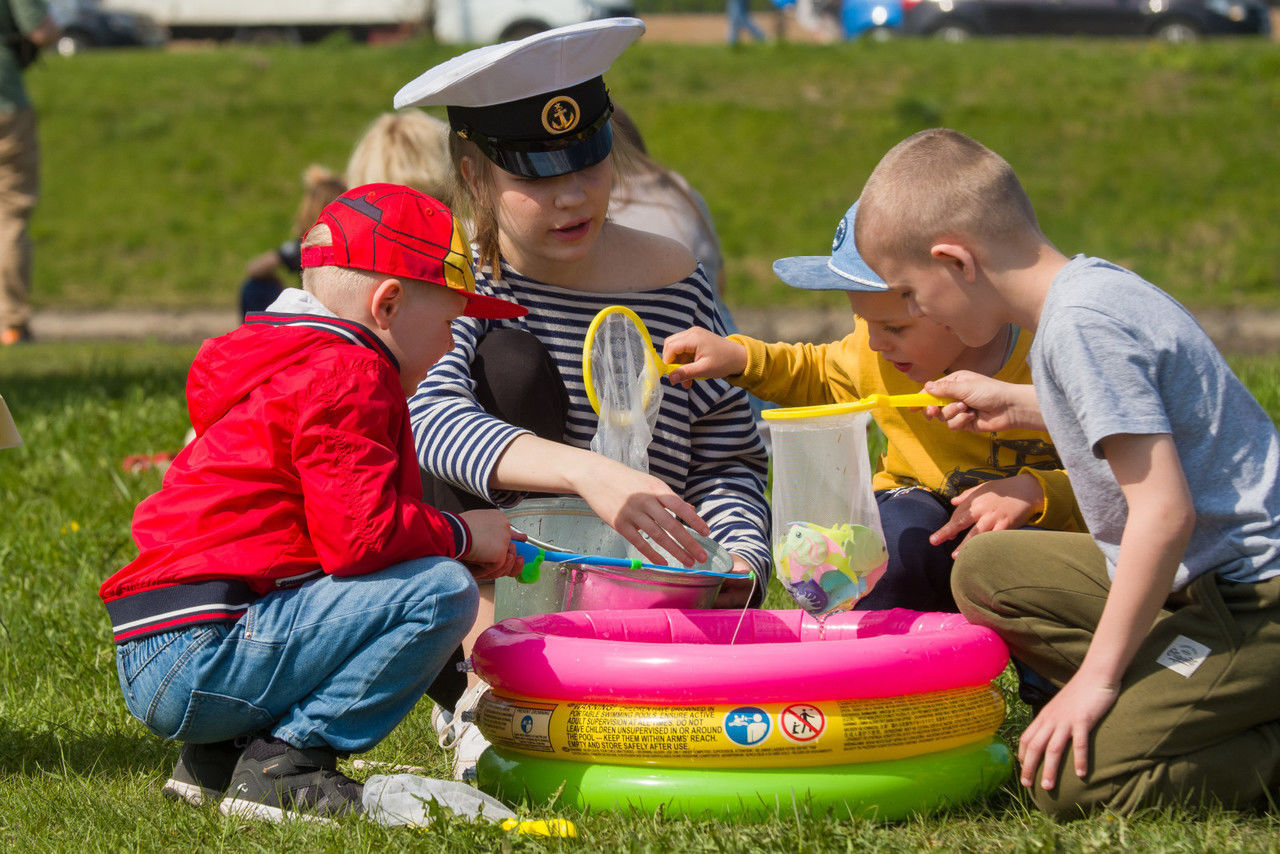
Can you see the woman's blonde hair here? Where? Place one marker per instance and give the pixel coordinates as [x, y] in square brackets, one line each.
[482, 201]
[407, 147]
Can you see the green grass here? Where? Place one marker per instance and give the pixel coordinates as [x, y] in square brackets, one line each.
[165, 172]
[77, 773]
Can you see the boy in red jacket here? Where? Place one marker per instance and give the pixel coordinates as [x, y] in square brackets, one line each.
[293, 596]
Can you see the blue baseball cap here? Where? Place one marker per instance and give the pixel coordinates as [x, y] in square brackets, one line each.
[842, 270]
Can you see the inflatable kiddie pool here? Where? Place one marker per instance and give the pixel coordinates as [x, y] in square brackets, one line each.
[876, 713]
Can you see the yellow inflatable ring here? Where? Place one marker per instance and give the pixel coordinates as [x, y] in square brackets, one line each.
[802, 733]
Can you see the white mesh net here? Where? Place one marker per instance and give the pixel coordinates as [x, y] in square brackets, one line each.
[626, 381]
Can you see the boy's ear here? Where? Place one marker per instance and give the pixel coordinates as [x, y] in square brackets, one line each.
[957, 257]
[385, 302]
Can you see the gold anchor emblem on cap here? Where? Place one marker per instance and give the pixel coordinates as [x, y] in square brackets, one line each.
[560, 115]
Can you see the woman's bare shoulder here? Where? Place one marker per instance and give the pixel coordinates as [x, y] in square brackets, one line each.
[647, 261]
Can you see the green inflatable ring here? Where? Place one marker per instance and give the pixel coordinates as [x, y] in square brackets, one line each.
[886, 791]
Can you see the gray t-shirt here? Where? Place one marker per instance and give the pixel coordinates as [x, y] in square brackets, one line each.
[1115, 354]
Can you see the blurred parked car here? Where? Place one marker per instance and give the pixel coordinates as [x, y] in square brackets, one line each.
[1171, 20]
[297, 21]
[85, 24]
[877, 18]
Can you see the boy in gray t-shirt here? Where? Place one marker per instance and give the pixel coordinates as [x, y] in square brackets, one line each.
[1155, 640]
[1116, 355]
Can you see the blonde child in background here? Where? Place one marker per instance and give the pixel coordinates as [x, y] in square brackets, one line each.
[1161, 630]
[935, 488]
[506, 413]
[262, 282]
[406, 147]
[293, 595]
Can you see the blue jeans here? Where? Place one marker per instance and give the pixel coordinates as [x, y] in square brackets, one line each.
[739, 20]
[335, 662]
[919, 574]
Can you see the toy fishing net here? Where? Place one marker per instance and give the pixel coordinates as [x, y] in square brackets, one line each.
[623, 377]
[828, 547]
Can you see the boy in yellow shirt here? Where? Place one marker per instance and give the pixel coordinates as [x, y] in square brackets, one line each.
[935, 487]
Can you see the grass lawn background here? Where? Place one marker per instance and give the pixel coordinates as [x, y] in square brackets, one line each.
[78, 773]
[165, 172]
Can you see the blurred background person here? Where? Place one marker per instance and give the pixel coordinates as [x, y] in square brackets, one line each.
[262, 282]
[739, 15]
[26, 27]
[406, 147]
[654, 198]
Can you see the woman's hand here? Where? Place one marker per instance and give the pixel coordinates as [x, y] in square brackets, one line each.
[636, 504]
[633, 503]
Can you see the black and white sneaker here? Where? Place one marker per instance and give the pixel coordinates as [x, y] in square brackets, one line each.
[275, 781]
[203, 772]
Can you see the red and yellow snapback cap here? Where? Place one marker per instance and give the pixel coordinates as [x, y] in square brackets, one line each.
[399, 231]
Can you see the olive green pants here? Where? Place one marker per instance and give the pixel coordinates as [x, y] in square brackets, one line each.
[1196, 719]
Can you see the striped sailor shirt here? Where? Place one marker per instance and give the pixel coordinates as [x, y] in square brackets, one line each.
[705, 444]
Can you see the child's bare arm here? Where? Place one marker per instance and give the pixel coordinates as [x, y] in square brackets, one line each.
[702, 354]
[997, 505]
[265, 264]
[1159, 525]
[629, 501]
[984, 404]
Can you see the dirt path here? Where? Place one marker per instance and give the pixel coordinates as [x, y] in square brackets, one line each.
[1235, 332]
[714, 29]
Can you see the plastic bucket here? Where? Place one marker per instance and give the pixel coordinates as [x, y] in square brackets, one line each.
[598, 588]
[568, 523]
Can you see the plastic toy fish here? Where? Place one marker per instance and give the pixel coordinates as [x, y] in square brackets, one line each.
[829, 568]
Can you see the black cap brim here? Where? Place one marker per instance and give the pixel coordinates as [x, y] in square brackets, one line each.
[567, 157]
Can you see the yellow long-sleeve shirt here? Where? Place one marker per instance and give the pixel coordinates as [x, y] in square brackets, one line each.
[920, 452]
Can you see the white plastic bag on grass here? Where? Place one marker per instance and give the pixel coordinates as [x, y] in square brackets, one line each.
[406, 799]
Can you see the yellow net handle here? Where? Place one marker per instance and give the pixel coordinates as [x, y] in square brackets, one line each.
[589, 341]
[866, 404]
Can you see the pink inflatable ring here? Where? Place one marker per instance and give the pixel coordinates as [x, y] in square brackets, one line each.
[661, 656]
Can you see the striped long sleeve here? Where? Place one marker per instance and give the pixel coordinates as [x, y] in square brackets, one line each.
[705, 444]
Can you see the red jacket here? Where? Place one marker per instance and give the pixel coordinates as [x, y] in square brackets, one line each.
[303, 463]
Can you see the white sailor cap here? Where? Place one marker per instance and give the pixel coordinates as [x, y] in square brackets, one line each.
[536, 107]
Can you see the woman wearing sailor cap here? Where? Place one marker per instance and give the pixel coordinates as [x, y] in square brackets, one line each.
[537, 157]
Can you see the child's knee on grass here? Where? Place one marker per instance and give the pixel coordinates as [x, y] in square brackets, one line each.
[974, 576]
